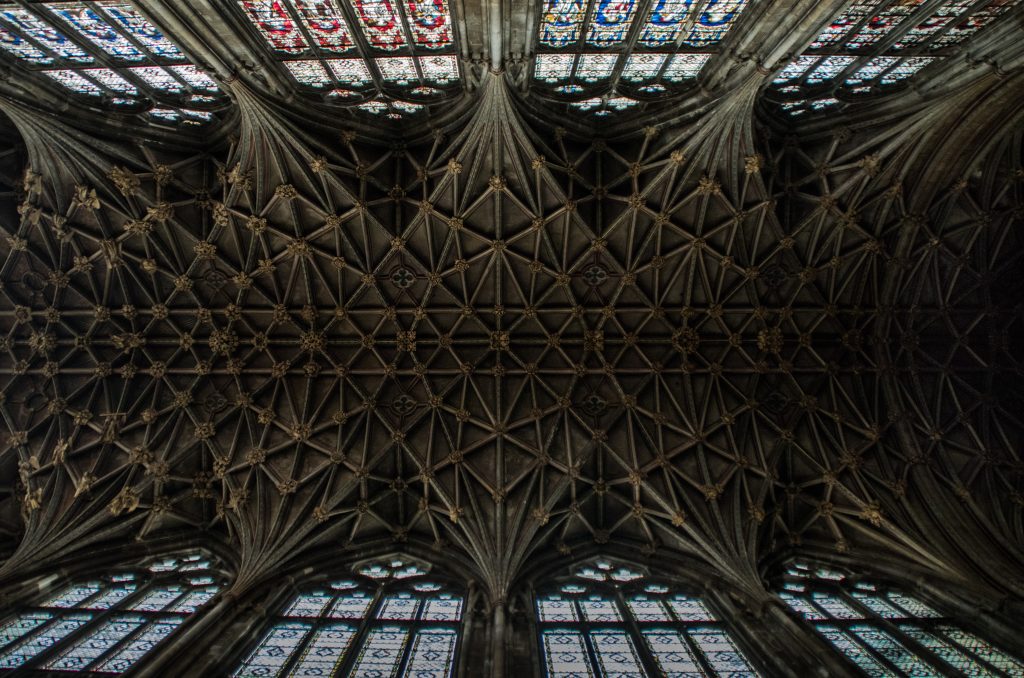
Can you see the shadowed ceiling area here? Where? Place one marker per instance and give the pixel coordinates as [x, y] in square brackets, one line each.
[722, 281]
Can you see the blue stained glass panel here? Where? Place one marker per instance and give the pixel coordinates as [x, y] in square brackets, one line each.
[690, 609]
[592, 68]
[912, 605]
[15, 628]
[325, 651]
[565, 654]
[274, 651]
[715, 21]
[861, 657]
[600, 610]
[443, 608]
[142, 30]
[42, 640]
[110, 597]
[879, 606]
[156, 600]
[157, 78]
[979, 647]
[381, 652]
[561, 22]
[195, 78]
[616, 654]
[40, 31]
[685, 66]
[666, 19]
[647, 610]
[399, 607]
[193, 601]
[807, 610]
[136, 648]
[73, 595]
[722, 655]
[906, 69]
[432, 654]
[88, 649]
[96, 29]
[835, 607]
[672, 653]
[887, 646]
[308, 605]
[643, 66]
[22, 48]
[350, 607]
[74, 81]
[556, 610]
[610, 22]
[949, 653]
[829, 68]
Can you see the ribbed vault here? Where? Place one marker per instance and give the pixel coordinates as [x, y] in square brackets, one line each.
[711, 334]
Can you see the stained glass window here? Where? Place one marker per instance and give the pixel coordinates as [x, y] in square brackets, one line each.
[109, 52]
[875, 44]
[412, 45]
[885, 632]
[681, 33]
[389, 619]
[108, 624]
[610, 620]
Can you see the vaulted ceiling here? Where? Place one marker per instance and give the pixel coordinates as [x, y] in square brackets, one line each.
[504, 323]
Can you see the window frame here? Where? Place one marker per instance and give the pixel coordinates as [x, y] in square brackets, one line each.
[378, 89]
[619, 593]
[614, 87]
[148, 98]
[146, 580]
[378, 590]
[800, 93]
[824, 578]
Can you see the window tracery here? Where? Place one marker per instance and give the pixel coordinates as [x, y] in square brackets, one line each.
[390, 618]
[108, 52]
[386, 57]
[875, 44]
[886, 632]
[611, 620]
[626, 51]
[108, 623]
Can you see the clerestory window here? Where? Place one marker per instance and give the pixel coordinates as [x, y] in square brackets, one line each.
[873, 45]
[389, 618]
[376, 56]
[602, 56]
[611, 620]
[886, 632]
[107, 624]
[109, 54]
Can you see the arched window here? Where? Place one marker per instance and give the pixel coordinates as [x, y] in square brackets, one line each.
[875, 44]
[107, 624]
[389, 619]
[108, 52]
[602, 56]
[609, 620]
[378, 56]
[886, 632]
